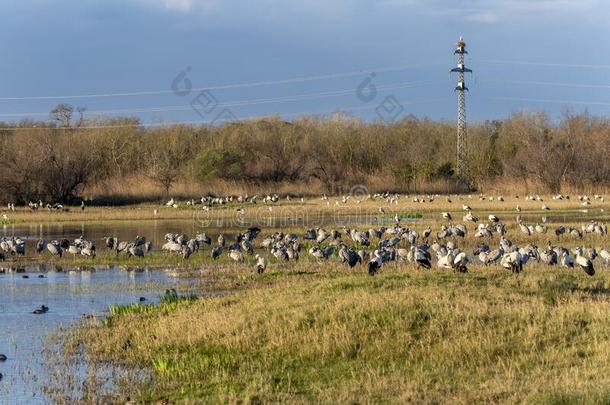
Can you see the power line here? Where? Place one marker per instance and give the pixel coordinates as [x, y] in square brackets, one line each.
[542, 83]
[527, 63]
[537, 100]
[225, 87]
[237, 103]
[249, 118]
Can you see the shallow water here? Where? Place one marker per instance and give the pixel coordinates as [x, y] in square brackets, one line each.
[69, 295]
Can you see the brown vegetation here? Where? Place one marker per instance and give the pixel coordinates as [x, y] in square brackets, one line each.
[100, 158]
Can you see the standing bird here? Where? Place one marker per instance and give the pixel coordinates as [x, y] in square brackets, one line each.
[605, 255]
[512, 261]
[567, 260]
[460, 262]
[216, 252]
[584, 263]
[421, 257]
[40, 246]
[375, 263]
[446, 216]
[236, 255]
[73, 250]
[88, 251]
[261, 264]
[348, 256]
[186, 252]
[54, 248]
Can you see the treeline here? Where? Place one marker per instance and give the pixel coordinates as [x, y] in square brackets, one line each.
[66, 161]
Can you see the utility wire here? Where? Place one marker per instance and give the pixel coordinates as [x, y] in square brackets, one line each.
[542, 83]
[538, 100]
[227, 86]
[527, 63]
[238, 103]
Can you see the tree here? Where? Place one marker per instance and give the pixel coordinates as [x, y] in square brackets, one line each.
[215, 163]
[62, 113]
[167, 152]
[541, 152]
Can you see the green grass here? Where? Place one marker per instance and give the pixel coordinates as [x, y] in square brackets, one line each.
[328, 335]
[168, 302]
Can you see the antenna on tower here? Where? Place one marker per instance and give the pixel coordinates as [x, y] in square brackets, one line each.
[462, 168]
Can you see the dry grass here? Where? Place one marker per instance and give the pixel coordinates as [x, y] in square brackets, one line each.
[313, 208]
[318, 334]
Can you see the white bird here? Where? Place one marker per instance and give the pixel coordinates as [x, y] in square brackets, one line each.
[460, 261]
[261, 264]
[584, 263]
[512, 261]
[605, 255]
[470, 217]
[446, 261]
[236, 255]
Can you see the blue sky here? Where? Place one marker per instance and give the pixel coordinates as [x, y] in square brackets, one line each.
[85, 47]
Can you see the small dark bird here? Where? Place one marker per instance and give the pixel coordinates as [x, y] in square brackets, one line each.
[43, 309]
[216, 252]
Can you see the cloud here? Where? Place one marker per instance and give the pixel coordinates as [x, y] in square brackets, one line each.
[476, 11]
[183, 5]
[262, 10]
[490, 11]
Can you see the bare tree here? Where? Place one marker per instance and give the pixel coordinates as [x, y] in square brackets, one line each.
[62, 113]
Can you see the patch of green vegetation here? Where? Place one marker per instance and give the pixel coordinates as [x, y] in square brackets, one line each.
[168, 302]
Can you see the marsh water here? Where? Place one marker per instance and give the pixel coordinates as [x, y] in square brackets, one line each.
[70, 294]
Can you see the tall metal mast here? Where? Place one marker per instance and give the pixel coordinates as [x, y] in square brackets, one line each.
[462, 168]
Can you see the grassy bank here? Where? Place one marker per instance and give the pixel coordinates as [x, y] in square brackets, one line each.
[324, 334]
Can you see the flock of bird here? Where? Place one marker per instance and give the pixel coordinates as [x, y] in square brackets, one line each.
[373, 247]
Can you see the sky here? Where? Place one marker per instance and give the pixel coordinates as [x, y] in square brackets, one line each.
[208, 61]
